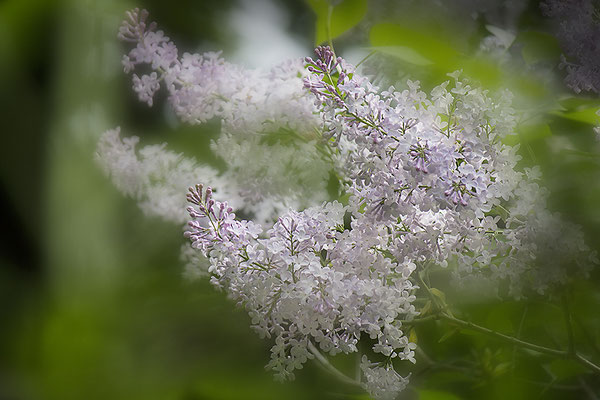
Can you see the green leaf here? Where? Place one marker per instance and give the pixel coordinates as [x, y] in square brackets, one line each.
[587, 116]
[405, 54]
[565, 369]
[436, 395]
[501, 369]
[571, 103]
[539, 47]
[344, 17]
[486, 71]
[445, 378]
[498, 319]
[448, 335]
[412, 337]
[424, 46]
[528, 133]
[438, 293]
[426, 308]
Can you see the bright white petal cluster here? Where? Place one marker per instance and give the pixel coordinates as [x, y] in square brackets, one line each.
[308, 279]
[382, 382]
[435, 172]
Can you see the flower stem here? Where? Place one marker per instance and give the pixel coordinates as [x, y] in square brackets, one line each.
[568, 323]
[505, 338]
[330, 368]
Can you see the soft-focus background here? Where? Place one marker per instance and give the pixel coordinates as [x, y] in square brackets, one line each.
[93, 302]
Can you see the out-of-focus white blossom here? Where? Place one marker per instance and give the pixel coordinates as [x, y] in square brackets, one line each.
[155, 177]
[269, 137]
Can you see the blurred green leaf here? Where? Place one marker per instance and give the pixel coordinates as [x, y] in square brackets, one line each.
[587, 116]
[486, 71]
[448, 335]
[529, 85]
[426, 308]
[427, 46]
[501, 369]
[528, 133]
[538, 47]
[436, 395]
[571, 103]
[565, 369]
[498, 319]
[344, 17]
[405, 54]
[412, 337]
[449, 377]
[438, 293]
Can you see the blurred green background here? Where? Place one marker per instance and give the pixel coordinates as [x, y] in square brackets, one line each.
[93, 302]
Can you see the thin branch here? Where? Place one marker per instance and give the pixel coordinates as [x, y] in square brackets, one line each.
[330, 368]
[421, 320]
[434, 299]
[587, 389]
[521, 343]
[568, 323]
[584, 361]
[586, 333]
[365, 58]
[506, 338]
[519, 330]
[424, 356]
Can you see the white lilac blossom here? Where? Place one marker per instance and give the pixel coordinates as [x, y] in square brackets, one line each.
[435, 172]
[382, 382]
[152, 175]
[268, 122]
[308, 280]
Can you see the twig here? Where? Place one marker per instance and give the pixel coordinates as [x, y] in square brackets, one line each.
[568, 323]
[365, 58]
[514, 353]
[506, 338]
[421, 320]
[587, 389]
[330, 368]
[521, 343]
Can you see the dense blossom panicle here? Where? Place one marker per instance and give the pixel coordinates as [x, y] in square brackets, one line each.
[307, 279]
[435, 171]
[427, 180]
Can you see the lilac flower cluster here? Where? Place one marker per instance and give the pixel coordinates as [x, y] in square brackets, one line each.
[428, 181]
[268, 125]
[308, 281]
[437, 174]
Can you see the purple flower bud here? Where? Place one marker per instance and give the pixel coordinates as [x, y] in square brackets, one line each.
[420, 155]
